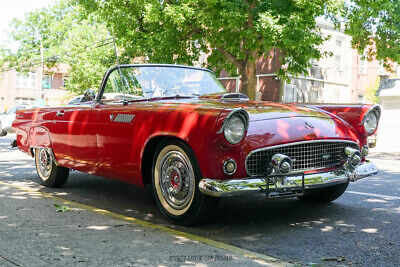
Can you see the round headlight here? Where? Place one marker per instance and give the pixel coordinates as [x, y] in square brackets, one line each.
[370, 122]
[235, 129]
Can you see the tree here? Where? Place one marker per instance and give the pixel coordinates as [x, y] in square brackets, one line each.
[370, 92]
[375, 28]
[68, 37]
[233, 33]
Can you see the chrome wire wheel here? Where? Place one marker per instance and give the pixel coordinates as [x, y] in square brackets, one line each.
[174, 180]
[44, 163]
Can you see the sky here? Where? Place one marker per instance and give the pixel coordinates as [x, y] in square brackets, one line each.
[10, 9]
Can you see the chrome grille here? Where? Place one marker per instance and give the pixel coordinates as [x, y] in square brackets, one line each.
[306, 156]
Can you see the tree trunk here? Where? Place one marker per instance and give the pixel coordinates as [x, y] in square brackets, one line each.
[249, 79]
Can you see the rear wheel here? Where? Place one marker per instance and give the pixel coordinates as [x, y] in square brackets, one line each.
[325, 195]
[175, 180]
[50, 174]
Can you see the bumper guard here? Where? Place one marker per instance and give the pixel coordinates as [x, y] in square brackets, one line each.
[284, 186]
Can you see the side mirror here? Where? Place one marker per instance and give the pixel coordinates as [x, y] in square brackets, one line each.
[89, 95]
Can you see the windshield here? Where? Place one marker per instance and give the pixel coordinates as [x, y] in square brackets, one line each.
[161, 81]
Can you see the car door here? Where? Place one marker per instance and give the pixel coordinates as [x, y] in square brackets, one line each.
[118, 128]
[74, 137]
[116, 141]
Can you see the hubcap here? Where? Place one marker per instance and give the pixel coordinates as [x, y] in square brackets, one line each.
[44, 162]
[177, 179]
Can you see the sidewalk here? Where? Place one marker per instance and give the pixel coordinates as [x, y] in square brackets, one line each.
[33, 233]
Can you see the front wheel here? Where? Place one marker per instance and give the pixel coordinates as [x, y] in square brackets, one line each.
[50, 174]
[325, 195]
[175, 180]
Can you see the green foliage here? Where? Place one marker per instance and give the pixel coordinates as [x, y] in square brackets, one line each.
[232, 33]
[68, 37]
[375, 28]
[371, 91]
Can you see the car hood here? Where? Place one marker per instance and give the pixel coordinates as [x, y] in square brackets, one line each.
[262, 110]
[269, 111]
[276, 123]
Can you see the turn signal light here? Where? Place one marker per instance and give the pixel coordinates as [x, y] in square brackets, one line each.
[229, 167]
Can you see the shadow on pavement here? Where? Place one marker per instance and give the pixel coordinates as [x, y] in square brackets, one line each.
[363, 229]
[385, 155]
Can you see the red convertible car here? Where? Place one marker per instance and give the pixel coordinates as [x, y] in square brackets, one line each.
[179, 131]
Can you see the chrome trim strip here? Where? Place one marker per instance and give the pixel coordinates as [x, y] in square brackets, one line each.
[110, 70]
[228, 95]
[256, 185]
[296, 143]
[124, 118]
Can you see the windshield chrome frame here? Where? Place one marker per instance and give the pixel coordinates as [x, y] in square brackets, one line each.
[110, 70]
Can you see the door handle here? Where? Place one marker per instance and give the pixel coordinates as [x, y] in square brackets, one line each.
[60, 113]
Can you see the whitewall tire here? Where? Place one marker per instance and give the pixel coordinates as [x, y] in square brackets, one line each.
[49, 173]
[175, 179]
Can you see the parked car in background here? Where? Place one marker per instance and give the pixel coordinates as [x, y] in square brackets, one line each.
[7, 118]
[193, 142]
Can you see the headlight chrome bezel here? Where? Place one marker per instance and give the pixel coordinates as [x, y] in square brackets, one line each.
[374, 111]
[236, 113]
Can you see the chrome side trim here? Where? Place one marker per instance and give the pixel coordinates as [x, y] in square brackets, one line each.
[256, 185]
[297, 143]
[124, 118]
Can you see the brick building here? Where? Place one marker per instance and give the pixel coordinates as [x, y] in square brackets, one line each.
[341, 78]
[17, 88]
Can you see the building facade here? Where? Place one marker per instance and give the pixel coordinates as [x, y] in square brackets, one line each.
[342, 77]
[17, 88]
[268, 86]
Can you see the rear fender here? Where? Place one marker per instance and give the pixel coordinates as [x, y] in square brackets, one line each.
[39, 137]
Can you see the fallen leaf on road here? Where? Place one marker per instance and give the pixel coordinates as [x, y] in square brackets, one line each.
[338, 259]
[60, 208]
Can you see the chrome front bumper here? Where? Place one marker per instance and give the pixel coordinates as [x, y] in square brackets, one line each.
[284, 185]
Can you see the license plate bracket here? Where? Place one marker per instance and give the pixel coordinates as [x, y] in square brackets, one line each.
[282, 191]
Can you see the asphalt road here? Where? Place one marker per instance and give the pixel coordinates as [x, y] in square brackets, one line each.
[360, 228]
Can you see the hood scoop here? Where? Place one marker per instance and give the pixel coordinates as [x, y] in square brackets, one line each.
[234, 97]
